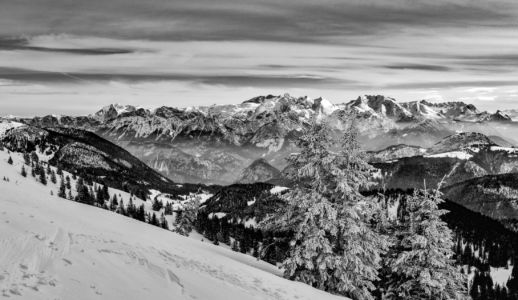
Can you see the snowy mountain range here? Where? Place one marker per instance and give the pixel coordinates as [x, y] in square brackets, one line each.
[168, 155]
[214, 144]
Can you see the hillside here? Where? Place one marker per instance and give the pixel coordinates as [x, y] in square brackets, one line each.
[495, 196]
[54, 248]
[259, 171]
[82, 152]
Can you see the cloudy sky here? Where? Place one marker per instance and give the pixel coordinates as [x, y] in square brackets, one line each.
[68, 56]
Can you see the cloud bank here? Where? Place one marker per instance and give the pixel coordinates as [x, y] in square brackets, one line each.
[78, 55]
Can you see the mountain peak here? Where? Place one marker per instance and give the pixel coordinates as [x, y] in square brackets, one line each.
[111, 111]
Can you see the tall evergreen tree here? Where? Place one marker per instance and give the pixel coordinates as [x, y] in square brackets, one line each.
[421, 265]
[10, 160]
[23, 172]
[334, 248]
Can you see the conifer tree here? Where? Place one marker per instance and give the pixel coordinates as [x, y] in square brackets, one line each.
[168, 210]
[157, 205]
[421, 265]
[153, 220]
[105, 192]
[67, 184]
[53, 177]
[334, 248]
[141, 213]
[23, 172]
[121, 210]
[26, 158]
[234, 246]
[114, 203]
[185, 220]
[99, 197]
[62, 190]
[163, 222]
[34, 157]
[512, 283]
[10, 160]
[42, 176]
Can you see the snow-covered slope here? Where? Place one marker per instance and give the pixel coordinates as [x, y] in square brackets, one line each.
[5, 125]
[51, 248]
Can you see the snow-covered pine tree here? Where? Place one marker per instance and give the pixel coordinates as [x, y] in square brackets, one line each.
[185, 220]
[421, 262]
[334, 248]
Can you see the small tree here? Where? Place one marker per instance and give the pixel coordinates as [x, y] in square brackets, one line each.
[421, 265]
[62, 193]
[34, 158]
[10, 160]
[67, 184]
[157, 205]
[163, 222]
[114, 203]
[23, 172]
[185, 220]
[53, 178]
[168, 209]
[43, 176]
[26, 158]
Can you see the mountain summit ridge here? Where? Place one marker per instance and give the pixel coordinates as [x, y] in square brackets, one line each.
[212, 144]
